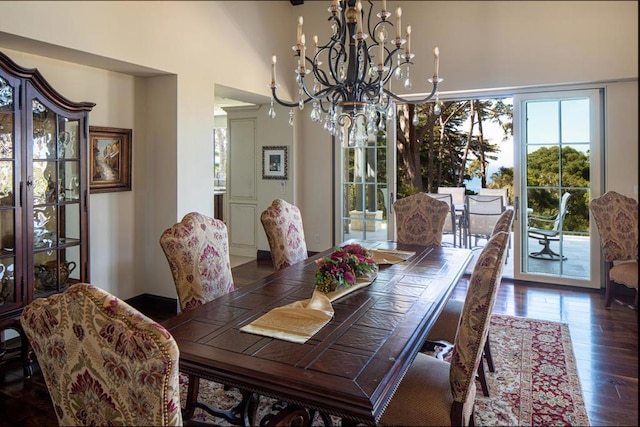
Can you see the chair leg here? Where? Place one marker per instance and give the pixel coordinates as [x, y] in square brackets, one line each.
[608, 295]
[482, 377]
[192, 397]
[488, 356]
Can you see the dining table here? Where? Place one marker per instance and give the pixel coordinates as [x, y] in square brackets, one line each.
[353, 365]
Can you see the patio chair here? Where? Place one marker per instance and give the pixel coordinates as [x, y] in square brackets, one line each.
[482, 212]
[450, 226]
[546, 236]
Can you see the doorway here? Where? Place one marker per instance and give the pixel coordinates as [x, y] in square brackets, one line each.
[365, 187]
[557, 169]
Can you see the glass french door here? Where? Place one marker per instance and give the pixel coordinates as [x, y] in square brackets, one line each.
[365, 187]
[557, 150]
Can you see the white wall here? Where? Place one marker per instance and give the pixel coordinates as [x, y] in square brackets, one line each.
[180, 50]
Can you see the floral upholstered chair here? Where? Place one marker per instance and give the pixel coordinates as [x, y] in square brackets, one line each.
[444, 330]
[197, 249]
[616, 217]
[420, 219]
[104, 362]
[282, 224]
[435, 392]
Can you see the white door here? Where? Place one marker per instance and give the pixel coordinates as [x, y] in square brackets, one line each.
[557, 150]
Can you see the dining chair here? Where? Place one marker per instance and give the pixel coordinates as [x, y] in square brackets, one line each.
[436, 392]
[450, 226]
[420, 219]
[282, 224]
[481, 213]
[104, 363]
[197, 249]
[548, 229]
[444, 330]
[616, 218]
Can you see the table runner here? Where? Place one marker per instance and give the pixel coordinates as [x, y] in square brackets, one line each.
[299, 321]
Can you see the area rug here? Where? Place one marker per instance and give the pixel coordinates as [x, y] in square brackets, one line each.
[535, 382]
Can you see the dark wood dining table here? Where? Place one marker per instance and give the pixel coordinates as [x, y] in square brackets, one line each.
[353, 365]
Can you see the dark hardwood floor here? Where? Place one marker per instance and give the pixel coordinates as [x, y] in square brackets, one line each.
[605, 344]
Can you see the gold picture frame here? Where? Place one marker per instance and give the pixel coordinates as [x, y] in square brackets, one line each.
[109, 159]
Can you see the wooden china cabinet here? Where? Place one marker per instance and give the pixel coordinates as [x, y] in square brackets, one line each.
[44, 206]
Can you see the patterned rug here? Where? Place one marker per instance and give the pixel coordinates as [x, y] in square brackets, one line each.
[535, 383]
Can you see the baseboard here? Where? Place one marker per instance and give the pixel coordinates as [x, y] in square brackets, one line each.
[148, 303]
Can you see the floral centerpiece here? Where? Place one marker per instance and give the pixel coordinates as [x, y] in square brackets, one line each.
[342, 267]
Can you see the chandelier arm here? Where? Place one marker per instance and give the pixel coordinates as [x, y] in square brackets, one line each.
[285, 103]
[416, 101]
[320, 95]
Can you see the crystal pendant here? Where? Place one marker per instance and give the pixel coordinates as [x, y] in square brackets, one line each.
[316, 114]
[415, 121]
[436, 109]
[291, 117]
[407, 82]
[398, 73]
[272, 111]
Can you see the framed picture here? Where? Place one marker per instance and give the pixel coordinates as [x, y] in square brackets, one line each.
[275, 162]
[109, 159]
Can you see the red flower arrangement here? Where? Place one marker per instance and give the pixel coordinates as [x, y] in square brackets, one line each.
[342, 267]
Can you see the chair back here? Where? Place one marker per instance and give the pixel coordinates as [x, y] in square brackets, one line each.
[450, 221]
[197, 249]
[473, 325]
[282, 224]
[564, 203]
[420, 219]
[504, 222]
[457, 193]
[482, 212]
[616, 217]
[104, 362]
[503, 192]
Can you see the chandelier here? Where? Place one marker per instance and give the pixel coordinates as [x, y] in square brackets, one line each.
[352, 72]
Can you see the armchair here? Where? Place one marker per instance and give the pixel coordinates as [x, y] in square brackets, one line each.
[616, 217]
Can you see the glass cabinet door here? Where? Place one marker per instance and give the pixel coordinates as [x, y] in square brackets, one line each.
[9, 169]
[55, 197]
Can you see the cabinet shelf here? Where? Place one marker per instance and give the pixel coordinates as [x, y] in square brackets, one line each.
[44, 236]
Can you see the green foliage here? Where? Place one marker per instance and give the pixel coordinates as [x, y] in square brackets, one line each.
[547, 186]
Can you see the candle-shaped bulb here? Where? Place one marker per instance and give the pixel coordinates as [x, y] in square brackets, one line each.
[436, 58]
[384, 5]
[359, 16]
[382, 36]
[303, 53]
[300, 20]
[315, 43]
[273, 68]
[398, 23]
[408, 49]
